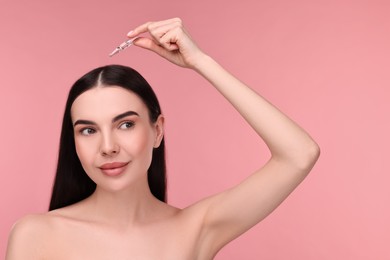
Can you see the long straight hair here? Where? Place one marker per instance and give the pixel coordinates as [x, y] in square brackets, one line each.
[71, 183]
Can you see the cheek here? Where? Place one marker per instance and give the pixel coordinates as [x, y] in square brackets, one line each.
[140, 144]
[84, 152]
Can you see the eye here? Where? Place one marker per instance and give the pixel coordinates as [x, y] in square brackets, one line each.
[87, 131]
[126, 125]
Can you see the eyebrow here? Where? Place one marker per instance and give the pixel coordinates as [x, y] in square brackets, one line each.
[116, 118]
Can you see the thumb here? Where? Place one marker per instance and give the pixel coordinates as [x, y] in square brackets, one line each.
[151, 45]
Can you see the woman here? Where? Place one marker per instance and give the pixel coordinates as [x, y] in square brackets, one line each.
[118, 134]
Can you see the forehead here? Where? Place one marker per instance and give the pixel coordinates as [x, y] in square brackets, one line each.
[105, 103]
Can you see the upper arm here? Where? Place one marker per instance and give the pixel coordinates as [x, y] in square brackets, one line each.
[23, 241]
[232, 212]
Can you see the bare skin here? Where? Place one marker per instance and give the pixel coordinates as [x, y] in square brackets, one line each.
[122, 220]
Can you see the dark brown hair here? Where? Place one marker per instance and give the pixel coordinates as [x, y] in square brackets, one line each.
[71, 183]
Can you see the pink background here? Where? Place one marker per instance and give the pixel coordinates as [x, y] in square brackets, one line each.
[325, 63]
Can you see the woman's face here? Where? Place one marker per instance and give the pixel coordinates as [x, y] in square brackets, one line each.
[114, 137]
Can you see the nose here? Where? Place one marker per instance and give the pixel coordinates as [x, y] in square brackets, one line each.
[109, 146]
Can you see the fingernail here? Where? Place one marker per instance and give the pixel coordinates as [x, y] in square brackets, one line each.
[129, 33]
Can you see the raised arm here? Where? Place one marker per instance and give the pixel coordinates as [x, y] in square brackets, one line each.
[293, 151]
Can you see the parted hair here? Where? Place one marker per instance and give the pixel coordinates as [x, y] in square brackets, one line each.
[71, 183]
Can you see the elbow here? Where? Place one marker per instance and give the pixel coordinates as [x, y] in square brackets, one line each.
[309, 156]
[299, 158]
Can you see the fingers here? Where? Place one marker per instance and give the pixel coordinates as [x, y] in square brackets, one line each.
[169, 39]
[150, 26]
[149, 44]
[164, 33]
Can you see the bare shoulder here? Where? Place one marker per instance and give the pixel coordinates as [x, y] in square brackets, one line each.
[27, 236]
[29, 225]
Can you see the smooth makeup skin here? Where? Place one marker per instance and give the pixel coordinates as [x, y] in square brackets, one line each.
[114, 137]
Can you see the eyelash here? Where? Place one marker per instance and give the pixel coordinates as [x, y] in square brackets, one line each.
[87, 128]
[129, 123]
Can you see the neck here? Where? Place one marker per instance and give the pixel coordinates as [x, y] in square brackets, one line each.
[123, 208]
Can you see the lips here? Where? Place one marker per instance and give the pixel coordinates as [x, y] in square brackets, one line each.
[113, 169]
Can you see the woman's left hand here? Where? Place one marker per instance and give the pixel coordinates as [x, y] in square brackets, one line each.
[170, 40]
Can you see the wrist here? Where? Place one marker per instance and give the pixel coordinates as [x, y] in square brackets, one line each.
[201, 62]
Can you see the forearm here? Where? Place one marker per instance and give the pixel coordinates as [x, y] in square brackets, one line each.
[285, 139]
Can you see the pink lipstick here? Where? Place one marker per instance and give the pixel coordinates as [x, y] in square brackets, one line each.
[113, 169]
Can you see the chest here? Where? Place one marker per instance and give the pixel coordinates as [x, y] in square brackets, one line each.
[142, 243]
